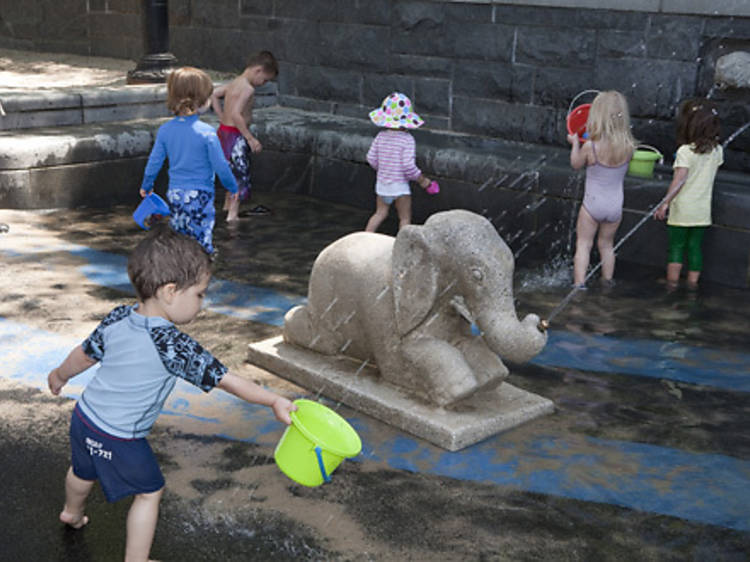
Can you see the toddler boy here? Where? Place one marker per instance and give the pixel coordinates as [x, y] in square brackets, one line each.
[235, 116]
[141, 353]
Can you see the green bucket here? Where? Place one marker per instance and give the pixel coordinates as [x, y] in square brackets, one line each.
[315, 444]
[642, 163]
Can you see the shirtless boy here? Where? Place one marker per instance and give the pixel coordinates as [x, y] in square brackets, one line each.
[235, 116]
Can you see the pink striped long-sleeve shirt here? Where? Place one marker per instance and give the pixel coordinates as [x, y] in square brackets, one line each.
[392, 155]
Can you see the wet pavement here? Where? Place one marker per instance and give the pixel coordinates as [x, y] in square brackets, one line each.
[646, 457]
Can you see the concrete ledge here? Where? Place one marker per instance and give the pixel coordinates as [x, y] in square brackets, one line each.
[469, 422]
[26, 109]
[714, 7]
[58, 146]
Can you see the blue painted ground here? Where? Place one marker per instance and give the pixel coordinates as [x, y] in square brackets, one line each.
[706, 488]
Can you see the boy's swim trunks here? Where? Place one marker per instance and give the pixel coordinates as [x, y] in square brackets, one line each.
[124, 467]
[237, 152]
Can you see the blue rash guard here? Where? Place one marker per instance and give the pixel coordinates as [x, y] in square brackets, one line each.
[195, 156]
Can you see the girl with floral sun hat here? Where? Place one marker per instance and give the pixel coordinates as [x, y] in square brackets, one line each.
[392, 154]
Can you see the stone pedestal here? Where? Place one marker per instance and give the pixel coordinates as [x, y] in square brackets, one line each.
[152, 69]
[358, 386]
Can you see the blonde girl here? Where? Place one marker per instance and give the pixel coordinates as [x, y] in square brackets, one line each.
[194, 154]
[606, 155]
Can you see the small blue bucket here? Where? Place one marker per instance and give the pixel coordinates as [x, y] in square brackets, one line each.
[151, 208]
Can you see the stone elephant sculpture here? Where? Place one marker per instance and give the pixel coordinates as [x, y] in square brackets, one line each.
[407, 304]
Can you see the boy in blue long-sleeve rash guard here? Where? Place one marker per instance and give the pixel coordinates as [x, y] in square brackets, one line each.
[195, 157]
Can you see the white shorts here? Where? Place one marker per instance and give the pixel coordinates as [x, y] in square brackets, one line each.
[392, 189]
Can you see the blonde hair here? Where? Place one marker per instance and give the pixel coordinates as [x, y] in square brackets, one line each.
[188, 89]
[609, 119]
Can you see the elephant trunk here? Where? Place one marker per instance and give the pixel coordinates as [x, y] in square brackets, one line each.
[512, 340]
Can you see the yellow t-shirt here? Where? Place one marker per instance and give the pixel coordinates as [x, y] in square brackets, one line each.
[692, 205]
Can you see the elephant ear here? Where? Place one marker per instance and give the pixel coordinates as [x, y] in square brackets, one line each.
[415, 277]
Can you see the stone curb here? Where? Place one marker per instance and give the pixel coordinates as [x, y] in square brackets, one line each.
[25, 109]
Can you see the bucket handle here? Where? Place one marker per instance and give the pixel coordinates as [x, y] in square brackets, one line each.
[661, 159]
[570, 107]
[322, 467]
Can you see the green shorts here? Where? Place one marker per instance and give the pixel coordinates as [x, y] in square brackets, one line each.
[688, 238]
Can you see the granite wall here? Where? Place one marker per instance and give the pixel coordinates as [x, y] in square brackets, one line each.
[499, 69]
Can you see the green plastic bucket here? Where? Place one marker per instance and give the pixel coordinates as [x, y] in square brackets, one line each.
[315, 444]
[642, 163]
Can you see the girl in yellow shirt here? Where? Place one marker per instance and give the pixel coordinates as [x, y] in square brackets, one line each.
[688, 198]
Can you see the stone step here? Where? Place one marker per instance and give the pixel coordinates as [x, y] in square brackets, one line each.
[26, 109]
[33, 108]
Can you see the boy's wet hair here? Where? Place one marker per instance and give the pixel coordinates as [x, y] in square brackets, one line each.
[266, 61]
[698, 123]
[165, 256]
[188, 89]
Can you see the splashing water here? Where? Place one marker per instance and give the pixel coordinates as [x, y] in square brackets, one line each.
[735, 134]
[576, 179]
[552, 275]
[622, 240]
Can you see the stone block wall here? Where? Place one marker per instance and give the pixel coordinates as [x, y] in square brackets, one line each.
[496, 68]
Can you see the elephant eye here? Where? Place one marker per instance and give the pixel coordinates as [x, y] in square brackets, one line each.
[477, 274]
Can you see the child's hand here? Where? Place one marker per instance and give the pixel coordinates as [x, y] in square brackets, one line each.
[573, 139]
[281, 408]
[255, 145]
[661, 212]
[55, 381]
[145, 193]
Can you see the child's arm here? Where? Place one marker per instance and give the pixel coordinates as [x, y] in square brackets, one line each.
[251, 392]
[409, 162]
[154, 164]
[76, 362]
[678, 180]
[372, 154]
[217, 94]
[234, 114]
[579, 155]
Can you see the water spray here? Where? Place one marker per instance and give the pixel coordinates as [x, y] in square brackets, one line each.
[544, 324]
[735, 134]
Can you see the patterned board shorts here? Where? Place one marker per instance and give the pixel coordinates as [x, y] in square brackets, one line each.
[237, 152]
[193, 214]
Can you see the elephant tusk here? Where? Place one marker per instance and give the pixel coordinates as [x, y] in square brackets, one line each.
[543, 325]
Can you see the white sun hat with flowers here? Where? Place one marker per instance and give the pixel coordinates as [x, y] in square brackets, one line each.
[396, 112]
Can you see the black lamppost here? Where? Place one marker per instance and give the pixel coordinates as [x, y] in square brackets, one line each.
[157, 61]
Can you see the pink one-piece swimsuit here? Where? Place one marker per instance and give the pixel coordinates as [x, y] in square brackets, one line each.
[603, 193]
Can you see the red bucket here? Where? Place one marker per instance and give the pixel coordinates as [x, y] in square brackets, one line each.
[576, 121]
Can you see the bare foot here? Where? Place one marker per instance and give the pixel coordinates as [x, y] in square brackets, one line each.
[75, 521]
